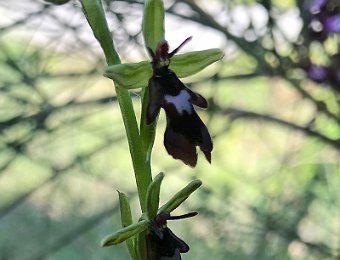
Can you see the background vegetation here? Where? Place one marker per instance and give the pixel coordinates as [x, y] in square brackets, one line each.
[272, 191]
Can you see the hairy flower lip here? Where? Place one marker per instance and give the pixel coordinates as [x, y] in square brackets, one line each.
[184, 130]
[161, 241]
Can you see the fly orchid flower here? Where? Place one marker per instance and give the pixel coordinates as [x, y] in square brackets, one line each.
[185, 130]
[162, 243]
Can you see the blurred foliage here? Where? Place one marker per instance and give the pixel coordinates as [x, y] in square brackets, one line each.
[272, 191]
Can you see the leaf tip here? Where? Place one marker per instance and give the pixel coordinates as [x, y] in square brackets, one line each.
[105, 242]
[160, 175]
[197, 183]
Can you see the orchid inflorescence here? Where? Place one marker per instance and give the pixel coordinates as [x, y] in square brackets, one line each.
[150, 238]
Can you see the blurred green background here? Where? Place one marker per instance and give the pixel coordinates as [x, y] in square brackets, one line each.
[272, 190]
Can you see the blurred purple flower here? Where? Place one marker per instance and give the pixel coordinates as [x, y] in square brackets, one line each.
[324, 18]
[315, 6]
[317, 73]
[332, 23]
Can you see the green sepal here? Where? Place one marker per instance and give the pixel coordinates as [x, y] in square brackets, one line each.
[130, 75]
[180, 196]
[153, 22]
[126, 218]
[152, 196]
[125, 233]
[189, 63]
[137, 75]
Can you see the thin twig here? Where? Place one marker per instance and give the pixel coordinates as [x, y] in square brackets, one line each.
[238, 113]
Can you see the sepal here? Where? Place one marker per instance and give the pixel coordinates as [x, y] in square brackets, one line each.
[180, 196]
[125, 233]
[189, 63]
[136, 75]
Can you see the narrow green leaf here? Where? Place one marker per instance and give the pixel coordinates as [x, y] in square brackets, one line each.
[189, 63]
[126, 218]
[125, 233]
[152, 196]
[153, 22]
[125, 210]
[180, 196]
[94, 13]
[130, 75]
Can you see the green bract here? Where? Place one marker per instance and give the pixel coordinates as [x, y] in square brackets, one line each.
[125, 233]
[136, 75]
[125, 211]
[134, 233]
[126, 218]
[152, 196]
[180, 196]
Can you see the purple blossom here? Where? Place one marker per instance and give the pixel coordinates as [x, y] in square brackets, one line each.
[318, 73]
[332, 23]
[315, 6]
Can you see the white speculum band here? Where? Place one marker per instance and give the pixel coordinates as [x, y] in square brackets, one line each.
[181, 101]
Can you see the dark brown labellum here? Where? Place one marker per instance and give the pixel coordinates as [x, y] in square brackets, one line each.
[162, 243]
[185, 130]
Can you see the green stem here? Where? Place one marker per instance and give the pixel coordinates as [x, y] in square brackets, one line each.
[141, 167]
[95, 16]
